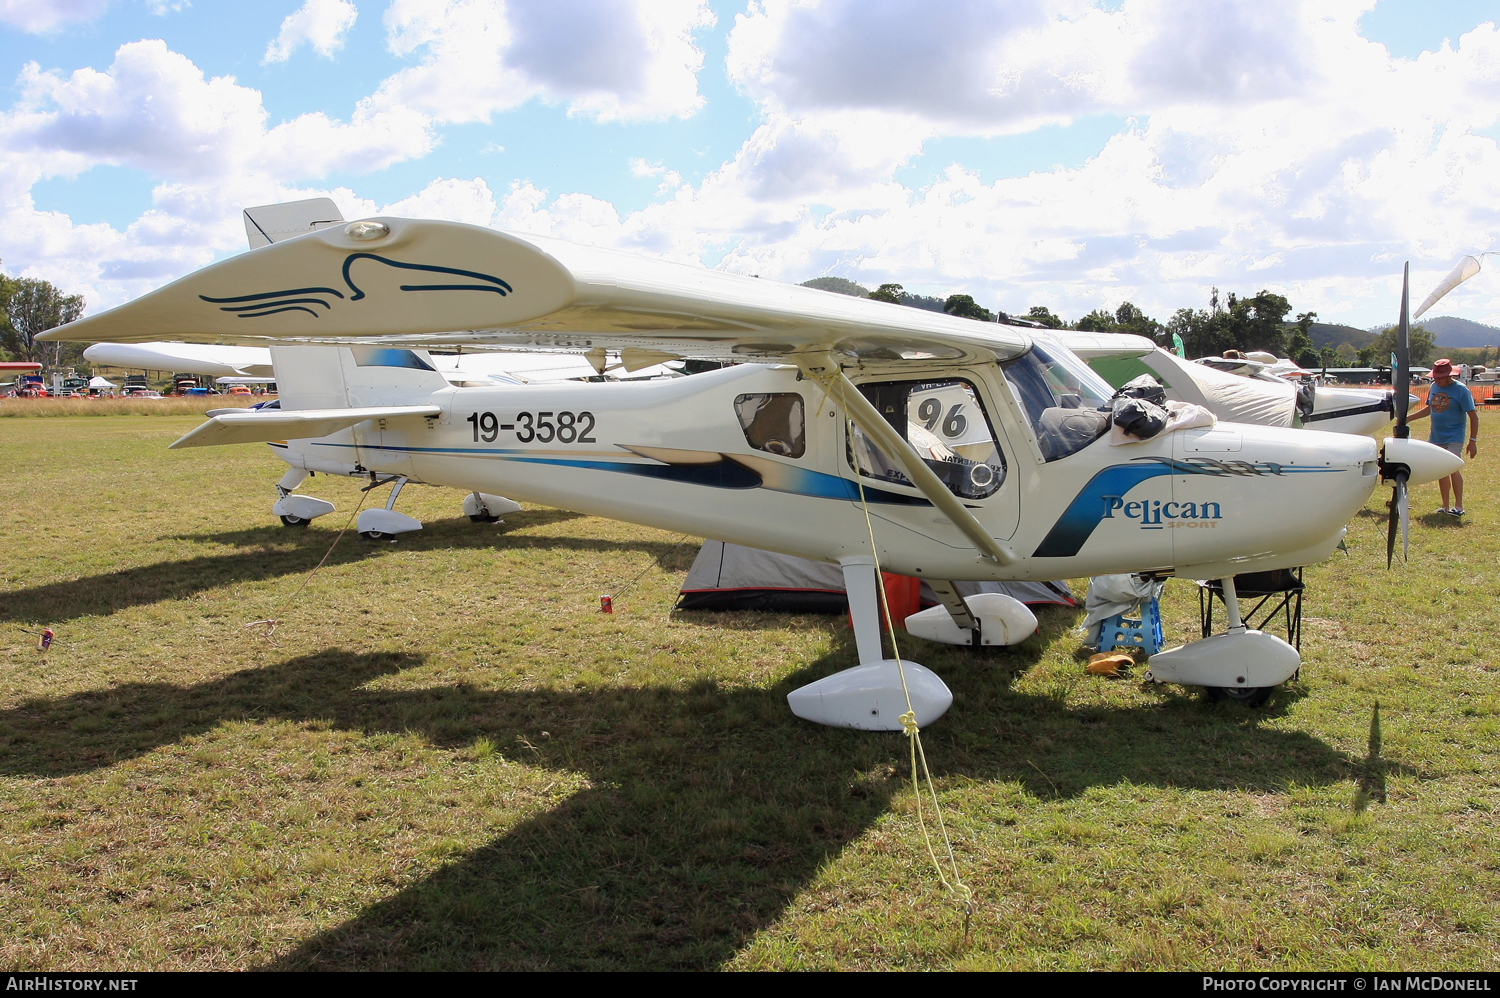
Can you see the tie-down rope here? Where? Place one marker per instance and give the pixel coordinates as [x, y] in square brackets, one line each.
[909, 719]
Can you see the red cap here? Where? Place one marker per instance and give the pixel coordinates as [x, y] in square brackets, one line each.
[1443, 368]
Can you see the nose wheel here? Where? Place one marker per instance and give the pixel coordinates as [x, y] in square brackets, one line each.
[1241, 665]
[1254, 696]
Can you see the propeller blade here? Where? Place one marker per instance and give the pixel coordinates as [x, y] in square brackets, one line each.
[1401, 376]
[1399, 515]
[1390, 532]
[1405, 507]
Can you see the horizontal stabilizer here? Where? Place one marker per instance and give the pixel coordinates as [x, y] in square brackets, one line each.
[249, 426]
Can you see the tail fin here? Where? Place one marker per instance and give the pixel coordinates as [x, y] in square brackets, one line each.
[311, 377]
[271, 223]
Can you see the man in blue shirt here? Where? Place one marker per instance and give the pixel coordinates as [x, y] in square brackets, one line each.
[1448, 403]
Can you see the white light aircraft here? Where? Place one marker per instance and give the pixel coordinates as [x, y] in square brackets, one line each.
[977, 452]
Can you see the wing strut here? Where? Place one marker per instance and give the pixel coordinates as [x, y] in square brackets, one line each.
[865, 416]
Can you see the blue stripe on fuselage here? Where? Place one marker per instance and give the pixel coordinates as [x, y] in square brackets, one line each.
[1083, 514]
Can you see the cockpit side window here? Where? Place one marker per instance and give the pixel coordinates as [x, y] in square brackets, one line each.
[773, 422]
[945, 424]
[1067, 403]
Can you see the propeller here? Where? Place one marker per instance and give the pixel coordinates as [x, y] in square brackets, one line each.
[1401, 397]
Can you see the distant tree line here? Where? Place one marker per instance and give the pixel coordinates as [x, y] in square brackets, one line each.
[1230, 322]
[30, 307]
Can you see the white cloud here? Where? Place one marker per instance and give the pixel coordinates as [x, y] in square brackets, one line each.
[38, 16]
[154, 110]
[209, 144]
[320, 24]
[997, 66]
[1274, 146]
[1266, 147]
[607, 59]
[469, 201]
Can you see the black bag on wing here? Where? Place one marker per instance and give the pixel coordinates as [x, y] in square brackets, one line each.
[1144, 387]
[1138, 417]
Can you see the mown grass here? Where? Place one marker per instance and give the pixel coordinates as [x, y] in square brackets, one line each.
[177, 405]
[445, 757]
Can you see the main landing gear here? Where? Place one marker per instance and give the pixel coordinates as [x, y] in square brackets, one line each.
[871, 696]
[1240, 665]
[378, 524]
[295, 510]
[385, 524]
[481, 508]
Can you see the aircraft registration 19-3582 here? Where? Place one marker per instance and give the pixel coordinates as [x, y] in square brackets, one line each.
[977, 451]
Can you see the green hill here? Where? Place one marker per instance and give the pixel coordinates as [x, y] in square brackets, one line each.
[1452, 331]
[839, 286]
[1329, 334]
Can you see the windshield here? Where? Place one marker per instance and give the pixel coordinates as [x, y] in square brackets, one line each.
[1067, 403]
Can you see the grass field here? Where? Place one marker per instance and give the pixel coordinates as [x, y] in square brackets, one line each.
[177, 405]
[445, 757]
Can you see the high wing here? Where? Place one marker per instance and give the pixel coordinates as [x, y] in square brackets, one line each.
[249, 426]
[415, 282]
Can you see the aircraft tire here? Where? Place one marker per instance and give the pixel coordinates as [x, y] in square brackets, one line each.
[484, 518]
[294, 521]
[377, 535]
[1252, 697]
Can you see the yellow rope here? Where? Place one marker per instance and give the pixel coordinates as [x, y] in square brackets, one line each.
[271, 623]
[908, 719]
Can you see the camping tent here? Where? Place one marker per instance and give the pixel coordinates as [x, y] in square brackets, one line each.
[98, 382]
[731, 577]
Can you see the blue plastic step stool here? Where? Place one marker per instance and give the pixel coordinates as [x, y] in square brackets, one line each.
[1121, 631]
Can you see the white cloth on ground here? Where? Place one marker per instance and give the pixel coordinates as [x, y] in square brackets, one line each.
[1112, 594]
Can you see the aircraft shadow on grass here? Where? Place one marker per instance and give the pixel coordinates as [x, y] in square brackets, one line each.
[266, 553]
[710, 808]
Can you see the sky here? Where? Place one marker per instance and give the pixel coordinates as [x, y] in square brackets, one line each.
[1068, 153]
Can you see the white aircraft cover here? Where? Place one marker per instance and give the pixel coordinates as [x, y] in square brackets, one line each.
[732, 577]
[1230, 397]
